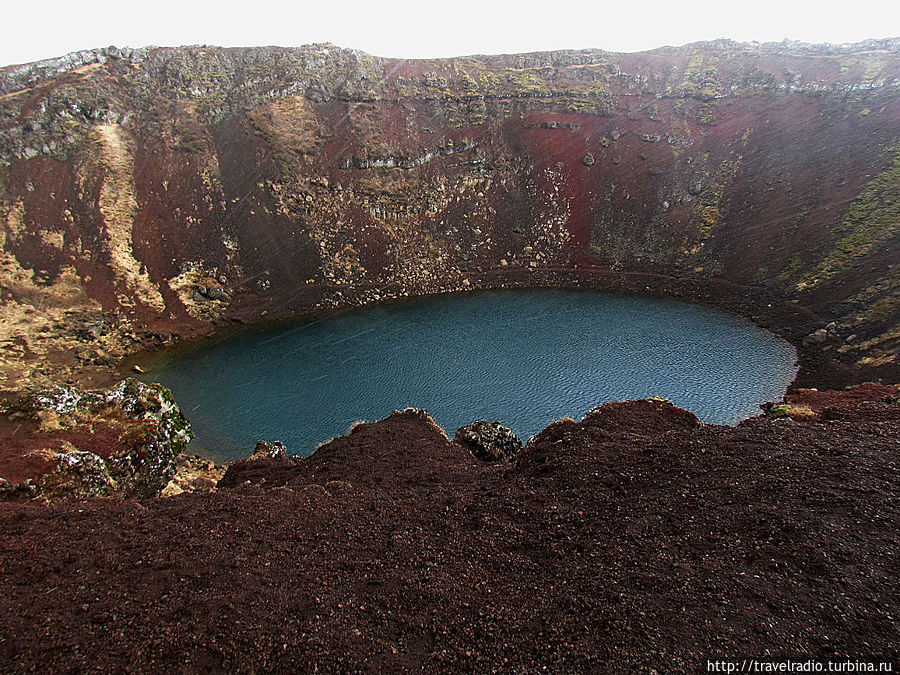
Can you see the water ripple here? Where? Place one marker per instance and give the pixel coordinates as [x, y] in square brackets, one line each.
[522, 357]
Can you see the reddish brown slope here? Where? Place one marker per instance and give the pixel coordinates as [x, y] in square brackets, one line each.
[762, 178]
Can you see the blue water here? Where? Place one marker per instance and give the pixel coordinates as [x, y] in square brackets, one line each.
[524, 358]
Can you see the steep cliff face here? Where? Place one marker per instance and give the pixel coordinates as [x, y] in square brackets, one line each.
[160, 192]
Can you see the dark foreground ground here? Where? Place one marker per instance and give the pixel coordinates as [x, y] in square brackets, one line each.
[631, 541]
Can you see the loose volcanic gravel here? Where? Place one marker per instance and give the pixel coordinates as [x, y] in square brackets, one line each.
[635, 540]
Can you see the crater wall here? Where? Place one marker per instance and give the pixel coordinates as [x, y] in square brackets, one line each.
[149, 195]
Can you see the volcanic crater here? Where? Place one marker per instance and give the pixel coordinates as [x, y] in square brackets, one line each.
[150, 196]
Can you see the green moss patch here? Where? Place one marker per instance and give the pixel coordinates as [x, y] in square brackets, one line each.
[872, 219]
[786, 410]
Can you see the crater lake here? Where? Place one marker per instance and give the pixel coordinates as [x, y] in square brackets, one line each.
[524, 358]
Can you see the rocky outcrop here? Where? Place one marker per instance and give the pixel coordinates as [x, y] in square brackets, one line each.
[193, 474]
[489, 441]
[263, 450]
[119, 442]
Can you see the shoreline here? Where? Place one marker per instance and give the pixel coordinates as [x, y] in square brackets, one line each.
[218, 434]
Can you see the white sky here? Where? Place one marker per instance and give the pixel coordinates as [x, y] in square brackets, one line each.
[419, 28]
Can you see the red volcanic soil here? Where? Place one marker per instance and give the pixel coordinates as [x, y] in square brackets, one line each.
[817, 400]
[633, 540]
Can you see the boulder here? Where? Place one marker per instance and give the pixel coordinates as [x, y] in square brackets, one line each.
[119, 442]
[817, 337]
[213, 293]
[263, 450]
[489, 441]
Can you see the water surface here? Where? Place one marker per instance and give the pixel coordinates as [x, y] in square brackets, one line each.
[525, 358]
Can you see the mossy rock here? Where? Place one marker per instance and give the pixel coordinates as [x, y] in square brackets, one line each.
[142, 460]
[778, 411]
[489, 441]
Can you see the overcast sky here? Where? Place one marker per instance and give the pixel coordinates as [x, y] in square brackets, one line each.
[419, 29]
